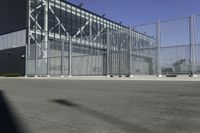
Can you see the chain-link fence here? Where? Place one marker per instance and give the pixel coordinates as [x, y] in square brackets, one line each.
[177, 44]
[166, 47]
[66, 40]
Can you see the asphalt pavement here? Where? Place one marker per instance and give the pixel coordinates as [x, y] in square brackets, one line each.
[99, 106]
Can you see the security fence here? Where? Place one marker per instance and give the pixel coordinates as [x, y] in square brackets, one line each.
[177, 44]
[65, 40]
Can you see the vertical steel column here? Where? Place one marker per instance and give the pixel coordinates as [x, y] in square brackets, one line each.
[26, 56]
[62, 58]
[158, 42]
[70, 57]
[28, 39]
[192, 43]
[46, 31]
[130, 52]
[108, 53]
[35, 43]
[120, 53]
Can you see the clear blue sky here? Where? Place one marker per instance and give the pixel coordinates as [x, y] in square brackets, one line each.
[134, 12]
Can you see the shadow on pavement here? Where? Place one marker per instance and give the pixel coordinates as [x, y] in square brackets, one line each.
[123, 125]
[8, 123]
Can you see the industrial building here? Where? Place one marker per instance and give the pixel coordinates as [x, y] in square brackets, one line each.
[58, 38]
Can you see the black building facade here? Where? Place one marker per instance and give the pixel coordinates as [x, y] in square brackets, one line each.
[13, 25]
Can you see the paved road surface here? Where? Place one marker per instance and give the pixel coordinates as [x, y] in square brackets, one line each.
[73, 106]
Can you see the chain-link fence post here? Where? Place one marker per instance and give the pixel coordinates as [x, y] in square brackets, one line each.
[70, 57]
[192, 44]
[36, 60]
[108, 53]
[158, 42]
[62, 58]
[130, 52]
[48, 52]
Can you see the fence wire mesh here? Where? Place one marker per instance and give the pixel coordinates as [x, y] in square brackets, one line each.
[178, 51]
[65, 40]
[144, 50]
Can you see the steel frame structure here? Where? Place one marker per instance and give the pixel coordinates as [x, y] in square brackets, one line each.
[80, 31]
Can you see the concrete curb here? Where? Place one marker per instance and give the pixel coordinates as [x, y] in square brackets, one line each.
[135, 78]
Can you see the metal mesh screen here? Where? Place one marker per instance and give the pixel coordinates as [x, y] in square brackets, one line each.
[119, 52]
[88, 60]
[66, 40]
[175, 59]
[176, 45]
[175, 52]
[197, 40]
[144, 50]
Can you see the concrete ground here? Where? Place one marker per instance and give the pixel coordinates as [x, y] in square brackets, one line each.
[100, 106]
[134, 78]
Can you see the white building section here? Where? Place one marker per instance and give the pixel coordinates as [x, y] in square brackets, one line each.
[13, 40]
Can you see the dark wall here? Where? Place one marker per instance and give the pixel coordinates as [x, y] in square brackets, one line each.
[12, 15]
[12, 61]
